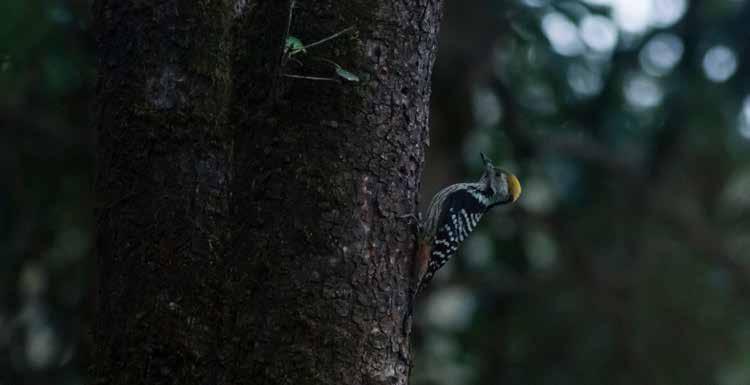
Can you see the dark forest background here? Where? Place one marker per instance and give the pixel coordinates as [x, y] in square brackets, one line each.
[627, 260]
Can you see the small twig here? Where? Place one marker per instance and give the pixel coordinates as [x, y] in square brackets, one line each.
[325, 39]
[284, 54]
[318, 58]
[310, 77]
[291, 8]
[289, 20]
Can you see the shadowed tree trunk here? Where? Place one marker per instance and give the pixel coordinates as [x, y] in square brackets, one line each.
[249, 224]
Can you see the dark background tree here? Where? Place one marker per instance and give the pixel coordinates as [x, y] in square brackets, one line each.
[625, 261]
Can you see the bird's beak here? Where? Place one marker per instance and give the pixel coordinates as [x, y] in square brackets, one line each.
[514, 187]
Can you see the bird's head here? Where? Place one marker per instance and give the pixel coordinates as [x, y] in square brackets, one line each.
[505, 186]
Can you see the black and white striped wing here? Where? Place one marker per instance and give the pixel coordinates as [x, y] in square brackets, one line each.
[462, 209]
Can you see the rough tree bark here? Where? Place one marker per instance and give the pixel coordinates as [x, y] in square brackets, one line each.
[248, 228]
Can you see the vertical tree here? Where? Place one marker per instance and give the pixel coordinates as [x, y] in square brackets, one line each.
[249, 227]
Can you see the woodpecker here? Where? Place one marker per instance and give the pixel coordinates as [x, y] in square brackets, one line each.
[453, 214]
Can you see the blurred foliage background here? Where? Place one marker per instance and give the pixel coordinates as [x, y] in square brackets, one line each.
[46, 202]
[627, 260]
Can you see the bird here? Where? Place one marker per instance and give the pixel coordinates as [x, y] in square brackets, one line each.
[453, 213]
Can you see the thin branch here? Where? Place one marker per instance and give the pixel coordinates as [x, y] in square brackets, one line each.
[318, 58]
[325, 39]
[284, 56]
[289, 20]
[310, 77]
[286, 34]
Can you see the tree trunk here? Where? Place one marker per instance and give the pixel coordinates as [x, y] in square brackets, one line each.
[249, 225]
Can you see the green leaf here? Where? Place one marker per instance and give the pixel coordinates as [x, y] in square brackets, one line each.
[294, 45]
[346, 75]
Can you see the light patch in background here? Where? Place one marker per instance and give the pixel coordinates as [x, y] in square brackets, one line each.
[478, 251]
[719, 63]
[451, 308]
[599, 2]
[584, 80]
[598, 32]
[661, 54]
[562, 34]
[538, 195]
[736, 373]
[632, 16]
[562, 175]
[637, 16]
[744, 127]
[42, 345]
[642, 91]
[440, 363]
[541, 250]
[746, 108]
[486, 107]
[60, 14]
[743, 120]
[535, 3]
[668, 12]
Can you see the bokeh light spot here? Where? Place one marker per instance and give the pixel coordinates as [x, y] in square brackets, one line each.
[719, 63]
[633, 16]
[541, 250]
[584, 80]
[744, 129]
[744, 124]
[661, 54]
[538, 195]
[562, 34]
[478, 251]
[746, 108]
[451, 308]
[598, 2]
[667, 12]
[486, 106]
[642, 91]
[599, 33]
[637, 16]
[42, 345]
